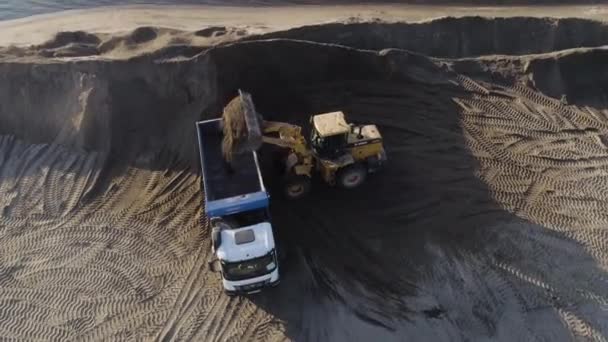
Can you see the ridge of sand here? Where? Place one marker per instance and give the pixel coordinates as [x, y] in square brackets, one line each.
[40, 28]
[468, 36]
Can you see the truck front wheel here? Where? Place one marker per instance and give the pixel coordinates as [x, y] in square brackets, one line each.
[296, 187]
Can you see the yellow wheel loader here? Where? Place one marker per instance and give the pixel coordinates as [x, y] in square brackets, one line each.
[342, 154]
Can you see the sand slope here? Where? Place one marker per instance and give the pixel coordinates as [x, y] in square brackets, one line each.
[259, 17]
[488, 223]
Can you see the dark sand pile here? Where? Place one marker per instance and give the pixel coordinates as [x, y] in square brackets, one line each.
[489, 222]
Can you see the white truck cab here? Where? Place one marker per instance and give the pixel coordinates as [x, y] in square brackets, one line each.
[247, 258]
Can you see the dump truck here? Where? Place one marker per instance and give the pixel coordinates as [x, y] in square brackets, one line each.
[237, 210]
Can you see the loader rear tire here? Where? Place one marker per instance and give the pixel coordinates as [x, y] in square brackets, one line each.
[351, 176]
[296, 187]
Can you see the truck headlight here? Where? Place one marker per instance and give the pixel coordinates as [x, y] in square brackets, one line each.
[271, 266]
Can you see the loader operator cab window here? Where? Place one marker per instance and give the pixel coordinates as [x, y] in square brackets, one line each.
[329, 147]
[329, 134]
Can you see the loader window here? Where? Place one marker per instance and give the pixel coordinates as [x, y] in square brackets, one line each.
[328, 147]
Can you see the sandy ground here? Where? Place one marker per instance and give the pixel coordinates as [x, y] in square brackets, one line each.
[489, 222]
[37, 29]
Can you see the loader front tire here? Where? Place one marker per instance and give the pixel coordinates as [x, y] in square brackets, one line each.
[296, 187]
[351, 176]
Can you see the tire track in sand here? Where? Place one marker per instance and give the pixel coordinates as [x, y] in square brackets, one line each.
[563, 162]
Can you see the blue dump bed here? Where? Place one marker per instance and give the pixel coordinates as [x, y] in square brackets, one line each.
[228, 191]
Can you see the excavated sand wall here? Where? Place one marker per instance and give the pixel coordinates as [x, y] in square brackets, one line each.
[580, 75]
[460, 37]
[120, 107]
[577, 74]
[109, 106]
[126, 107]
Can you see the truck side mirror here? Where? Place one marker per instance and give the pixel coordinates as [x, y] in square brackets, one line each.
[216, 237]
[215, 266]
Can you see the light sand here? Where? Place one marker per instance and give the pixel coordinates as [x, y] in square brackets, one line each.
[37, 29]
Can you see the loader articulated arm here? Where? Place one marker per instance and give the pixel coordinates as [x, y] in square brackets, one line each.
[289, 136]
[300, 161]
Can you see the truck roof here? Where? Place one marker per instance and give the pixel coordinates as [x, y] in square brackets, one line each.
[233, 250]
[228, 191]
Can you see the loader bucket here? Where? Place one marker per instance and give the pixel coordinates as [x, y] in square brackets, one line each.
[241, 127]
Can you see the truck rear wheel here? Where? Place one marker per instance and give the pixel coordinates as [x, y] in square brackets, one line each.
[296, 187]
[351, 176]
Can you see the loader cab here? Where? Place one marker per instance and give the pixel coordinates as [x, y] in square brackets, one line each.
[329, 134]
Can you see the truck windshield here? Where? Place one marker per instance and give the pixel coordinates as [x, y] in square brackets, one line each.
[248, 218]
[249, 268]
